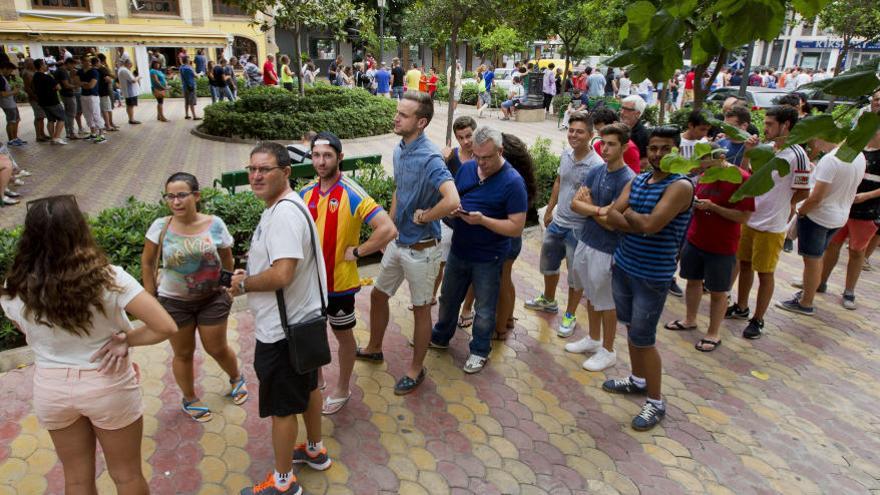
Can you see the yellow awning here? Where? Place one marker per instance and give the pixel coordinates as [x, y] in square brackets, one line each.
[110, 34]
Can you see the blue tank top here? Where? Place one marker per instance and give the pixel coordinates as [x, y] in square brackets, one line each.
[651, 257]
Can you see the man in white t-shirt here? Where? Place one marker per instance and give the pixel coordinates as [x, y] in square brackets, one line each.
[129, 84]
[282, 257]
[697, 129]
[763, 235]
[824, 211]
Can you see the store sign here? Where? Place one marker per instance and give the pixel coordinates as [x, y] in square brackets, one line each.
[836, 44]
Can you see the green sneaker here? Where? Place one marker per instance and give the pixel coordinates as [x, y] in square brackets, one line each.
[541, 303]
[566, 328]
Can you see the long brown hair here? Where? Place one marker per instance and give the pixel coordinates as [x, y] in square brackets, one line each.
[59, 272]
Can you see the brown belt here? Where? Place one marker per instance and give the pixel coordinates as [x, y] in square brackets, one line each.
[422, 245]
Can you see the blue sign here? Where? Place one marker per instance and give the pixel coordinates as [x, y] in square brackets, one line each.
[736, 62]
[837, 44]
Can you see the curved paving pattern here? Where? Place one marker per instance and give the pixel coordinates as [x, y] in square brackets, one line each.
[533, 422]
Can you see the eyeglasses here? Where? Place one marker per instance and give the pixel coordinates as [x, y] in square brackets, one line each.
[181, 195]
[50, 199]
[260, 170]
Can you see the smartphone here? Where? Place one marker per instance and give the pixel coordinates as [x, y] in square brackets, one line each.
[225, 278]
[465, 212]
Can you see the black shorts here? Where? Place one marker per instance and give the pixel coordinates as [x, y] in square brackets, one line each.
[282, 391]
[131, 102]
[340, 312]
[715, 270]
[54, 113]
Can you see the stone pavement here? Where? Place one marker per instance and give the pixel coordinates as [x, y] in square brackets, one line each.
[793, 412]
[136, 160]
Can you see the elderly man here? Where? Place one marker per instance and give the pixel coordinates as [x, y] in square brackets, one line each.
[493, 210]
[631, 109]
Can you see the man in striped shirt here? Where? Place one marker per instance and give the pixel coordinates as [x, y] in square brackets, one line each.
[653, 211]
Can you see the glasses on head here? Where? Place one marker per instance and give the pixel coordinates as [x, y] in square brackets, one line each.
[50, 199]
[181, 195]
[259, 170]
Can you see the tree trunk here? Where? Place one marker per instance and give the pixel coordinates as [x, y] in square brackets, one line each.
[451, 82]
[842, 59]
[700, 92]
[297, 53]
[663, 95]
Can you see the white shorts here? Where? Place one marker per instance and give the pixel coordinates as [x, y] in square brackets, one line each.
[445, 241]
[592, 268]
[418, 268]
[91, 108]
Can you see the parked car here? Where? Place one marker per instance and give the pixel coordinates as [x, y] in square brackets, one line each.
[757, 97]
[820, 101]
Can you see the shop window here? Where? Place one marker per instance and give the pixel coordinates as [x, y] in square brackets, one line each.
[163, 7]
[61, 4]
[222, 8]
[322, 49]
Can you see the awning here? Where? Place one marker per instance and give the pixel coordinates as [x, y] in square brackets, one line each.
[90, 33]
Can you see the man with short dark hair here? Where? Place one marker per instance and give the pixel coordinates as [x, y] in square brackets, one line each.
[46, 89]
[493, 209]
[8, 91]
[282, 264]
[188, 84]
[595, 83]
[91, 101]
[64, 76]
[425, 193]
[735, 149]
[397, 79]
[549, 86]
[105, 92]
[653, 210]
[340, 206]
[697, 128]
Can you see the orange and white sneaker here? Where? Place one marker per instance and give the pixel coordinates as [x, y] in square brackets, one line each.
[269, 487]
[319, 460]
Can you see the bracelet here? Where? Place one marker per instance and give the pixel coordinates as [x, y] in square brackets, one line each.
[354, 253]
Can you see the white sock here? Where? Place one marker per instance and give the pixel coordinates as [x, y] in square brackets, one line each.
[315, 447]
[640, 382]
[282, 479]
[659, 404]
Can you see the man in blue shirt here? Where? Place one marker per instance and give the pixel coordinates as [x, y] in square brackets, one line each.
[425, 193]
[201, 62]
[188, 84]
[493, 210]
[383, 82]
[595, 83]
[737, 116]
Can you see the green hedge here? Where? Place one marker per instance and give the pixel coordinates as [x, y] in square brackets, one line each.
[274, 113]
[175, 87]
[469, 93]
[546, 169]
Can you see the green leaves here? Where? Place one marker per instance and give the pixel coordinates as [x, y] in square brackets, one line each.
[638, 16]
[816, 126]
[808, 8]
[742, 21]
[701, 149]
[763, 161]
[681, 8]
[730, 131]
[674, 163]
[858, 81]
[867, 126]
[723, 173]
[705, 46]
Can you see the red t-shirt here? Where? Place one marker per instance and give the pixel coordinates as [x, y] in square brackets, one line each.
[630, 155]
[432, 84]
[270, 77]
[710, 231]
[689, 80]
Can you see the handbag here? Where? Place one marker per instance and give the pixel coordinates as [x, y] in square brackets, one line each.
[159, 256]
[307, 340]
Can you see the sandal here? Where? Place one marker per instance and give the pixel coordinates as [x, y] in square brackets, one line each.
[200, 414]
[334, 405]
[677, 325]
[701, 345]
[376, 357]
[239, 391]
[466, 320]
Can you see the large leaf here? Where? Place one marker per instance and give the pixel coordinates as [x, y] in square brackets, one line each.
[808, 8]
[744, 21]
[763, 161]
[867, 126]
[681, 8]
[700, 150]
[674, 163]
[705, 46]
[816, 126]
[725, 174]
[638, 16]
[623, 59]
[858, 81]
[730, 131]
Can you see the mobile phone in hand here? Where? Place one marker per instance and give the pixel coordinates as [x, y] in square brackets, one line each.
[225, 278]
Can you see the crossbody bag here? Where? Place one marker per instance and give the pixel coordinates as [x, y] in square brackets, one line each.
[307, 340]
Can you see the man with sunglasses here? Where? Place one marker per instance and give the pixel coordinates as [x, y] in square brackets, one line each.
[281, 258]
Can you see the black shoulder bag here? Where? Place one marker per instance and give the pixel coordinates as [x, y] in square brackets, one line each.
[307, 340]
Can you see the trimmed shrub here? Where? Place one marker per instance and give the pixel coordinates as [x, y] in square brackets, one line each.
[469, 93]
[546, 170]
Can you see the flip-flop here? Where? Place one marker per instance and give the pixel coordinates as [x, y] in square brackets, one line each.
[239, 391]
[715, 345]
[376, 357]
[677, 325]
[199, 414]
[466, 320]
[334, 405]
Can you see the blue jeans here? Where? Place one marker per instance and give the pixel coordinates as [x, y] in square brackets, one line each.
[397, 92]
[218, 93]
[639, 303]
[813, 239]
[458, 275]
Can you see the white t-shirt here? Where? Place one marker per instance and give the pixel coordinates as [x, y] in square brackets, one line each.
[772, 208]
[57, 348]
[843, 179]
[624, 86]
[803, 78]
[128, 83]
[686, 148]
[284, 233]
[516, 91]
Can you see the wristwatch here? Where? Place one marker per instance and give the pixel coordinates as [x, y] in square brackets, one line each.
[241, 287]
[354, 253]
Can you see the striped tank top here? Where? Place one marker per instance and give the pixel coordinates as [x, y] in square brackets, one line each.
[654, 256]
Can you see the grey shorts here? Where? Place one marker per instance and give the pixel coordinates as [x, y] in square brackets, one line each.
[38, 110]
[55, 113]
[189, 97]
[12, 115]
[106, 104]
[209, 311]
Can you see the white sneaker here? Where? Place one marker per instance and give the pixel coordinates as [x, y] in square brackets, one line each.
[23, 173]
[567, 325]
[18, 182]
[586, 344]
[601, 360]
[474, 364]
[59, 141]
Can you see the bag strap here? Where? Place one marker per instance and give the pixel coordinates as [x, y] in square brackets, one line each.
[279, 294]
[159, 254]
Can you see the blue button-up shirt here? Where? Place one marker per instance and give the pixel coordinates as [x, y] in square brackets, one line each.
[419, 170]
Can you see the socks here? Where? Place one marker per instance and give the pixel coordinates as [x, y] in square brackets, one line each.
[282, 480]
[849, 293]
[640, 382]
[659, 404]
[316, 447]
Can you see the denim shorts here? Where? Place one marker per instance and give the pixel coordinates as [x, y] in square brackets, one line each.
[639, 304]
[397, 92]
[813, 239]
[559, 243]
[716, 270]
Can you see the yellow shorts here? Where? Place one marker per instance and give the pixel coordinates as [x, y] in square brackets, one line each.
[760, 248]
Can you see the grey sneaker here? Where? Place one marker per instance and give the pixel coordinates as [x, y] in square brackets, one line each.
[849, 301]
[794, 305]
[541, 303]
[474, 364]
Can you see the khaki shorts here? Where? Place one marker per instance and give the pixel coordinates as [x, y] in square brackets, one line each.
[109, 401]
[761, 249]
[418, 268]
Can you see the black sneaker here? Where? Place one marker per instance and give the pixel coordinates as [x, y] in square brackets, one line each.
[733, 312]
[788, 245]
[623, 386]
[675, 290]
[648, 418]
[319, 461]
[753, 330]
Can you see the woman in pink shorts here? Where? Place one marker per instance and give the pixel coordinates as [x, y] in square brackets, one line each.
[71, 304]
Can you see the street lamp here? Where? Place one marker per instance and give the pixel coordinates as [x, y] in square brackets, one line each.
[381, 30]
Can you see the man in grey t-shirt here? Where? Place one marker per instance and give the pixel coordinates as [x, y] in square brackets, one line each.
[563, 225]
